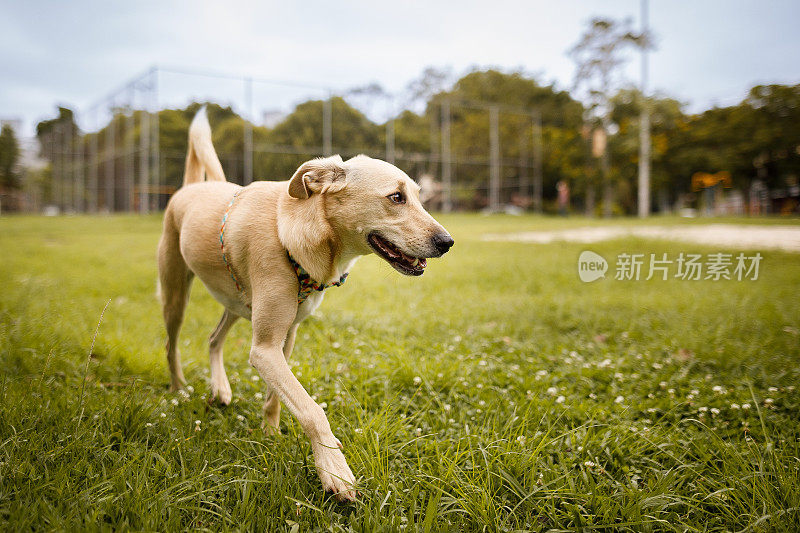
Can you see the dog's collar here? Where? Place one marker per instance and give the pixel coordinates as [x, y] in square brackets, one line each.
[307, 283]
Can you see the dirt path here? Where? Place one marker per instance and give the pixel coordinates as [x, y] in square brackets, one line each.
[748, 237]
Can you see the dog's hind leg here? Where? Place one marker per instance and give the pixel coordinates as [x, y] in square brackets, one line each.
[272, 405]
[220, 386]
[176, 280]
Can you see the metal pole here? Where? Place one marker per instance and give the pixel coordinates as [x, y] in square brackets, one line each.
[130, 156]
[154, 140]
[644, 129]
[524, 185]
[447, 203]
[327, 126]
[66, 154]
[110, 161]
[80, 176]
[93, 163]
[494, 171]
[390, 132]
[144, 159]
[538, 150]
[55, 153]
[248, 132]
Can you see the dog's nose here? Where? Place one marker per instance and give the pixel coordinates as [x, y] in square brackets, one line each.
[442, 242]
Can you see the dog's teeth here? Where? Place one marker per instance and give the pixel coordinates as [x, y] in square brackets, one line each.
[416, 261]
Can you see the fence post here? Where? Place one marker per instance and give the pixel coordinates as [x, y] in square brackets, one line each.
[537, 162]
[109, 199]
[327, 126]
[248, 132]
[130, 156]
[93, 164]
[494, 171]
[144, 160]
[447, 201]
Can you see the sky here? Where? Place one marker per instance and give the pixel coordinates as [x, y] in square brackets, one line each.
[709, 52]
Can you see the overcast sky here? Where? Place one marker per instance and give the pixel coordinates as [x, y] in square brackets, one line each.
[709, 52]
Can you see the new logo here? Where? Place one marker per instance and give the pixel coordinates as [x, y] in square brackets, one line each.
[591, 266]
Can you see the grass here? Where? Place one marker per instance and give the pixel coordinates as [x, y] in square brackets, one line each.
[497, 392]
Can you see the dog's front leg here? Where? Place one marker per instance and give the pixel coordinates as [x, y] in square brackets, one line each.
[268, 359]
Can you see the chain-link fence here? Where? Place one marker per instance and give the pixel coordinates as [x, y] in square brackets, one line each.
[127, 152]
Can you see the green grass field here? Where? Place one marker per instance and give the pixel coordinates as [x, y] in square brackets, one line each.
[496, 392]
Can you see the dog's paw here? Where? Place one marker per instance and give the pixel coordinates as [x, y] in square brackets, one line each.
[334, 473]
[221, 392]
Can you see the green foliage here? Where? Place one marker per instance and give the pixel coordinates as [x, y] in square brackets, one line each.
[757, 138]
[9, 158]
[496, 392]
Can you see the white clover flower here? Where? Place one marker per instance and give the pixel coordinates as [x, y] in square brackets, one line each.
[745, 406]
[560, 399]
[541, 373]
[190, 389]
[174, 401]
[359, 431]
[324, 405]
[552, 391]
[589, 464]
[254, 377]
[735, 406]
[521, 439]
[714, 411]
[481, 403]
[240, 418]
[148, 425]
[417, 380]
[593, 396]
[418, 431]
[718, 389]
[769, 401]
[702, 409]
[163, 415]
[619, 399]
[671, 391]
[773, 389]
[259, 396]
[663, 384]
[695, 392]
[482, 362]
[447, 407]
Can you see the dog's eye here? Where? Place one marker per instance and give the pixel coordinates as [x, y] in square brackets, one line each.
[397, 197]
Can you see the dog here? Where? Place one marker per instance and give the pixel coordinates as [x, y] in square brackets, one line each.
[268, 251]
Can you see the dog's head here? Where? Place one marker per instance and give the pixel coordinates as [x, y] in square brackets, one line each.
[374, 207]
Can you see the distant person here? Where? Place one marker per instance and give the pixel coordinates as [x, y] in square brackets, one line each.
[563, 197]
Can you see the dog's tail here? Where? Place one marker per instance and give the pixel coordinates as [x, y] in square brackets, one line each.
[201, 159]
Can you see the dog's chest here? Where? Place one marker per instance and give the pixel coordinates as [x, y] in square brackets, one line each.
[309, 305]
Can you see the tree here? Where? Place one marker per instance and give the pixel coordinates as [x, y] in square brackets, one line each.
[9, 158]
[598, 56]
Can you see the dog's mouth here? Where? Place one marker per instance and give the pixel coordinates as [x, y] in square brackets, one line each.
[403, 263]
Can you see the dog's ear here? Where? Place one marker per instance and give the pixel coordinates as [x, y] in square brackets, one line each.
[318, 176]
